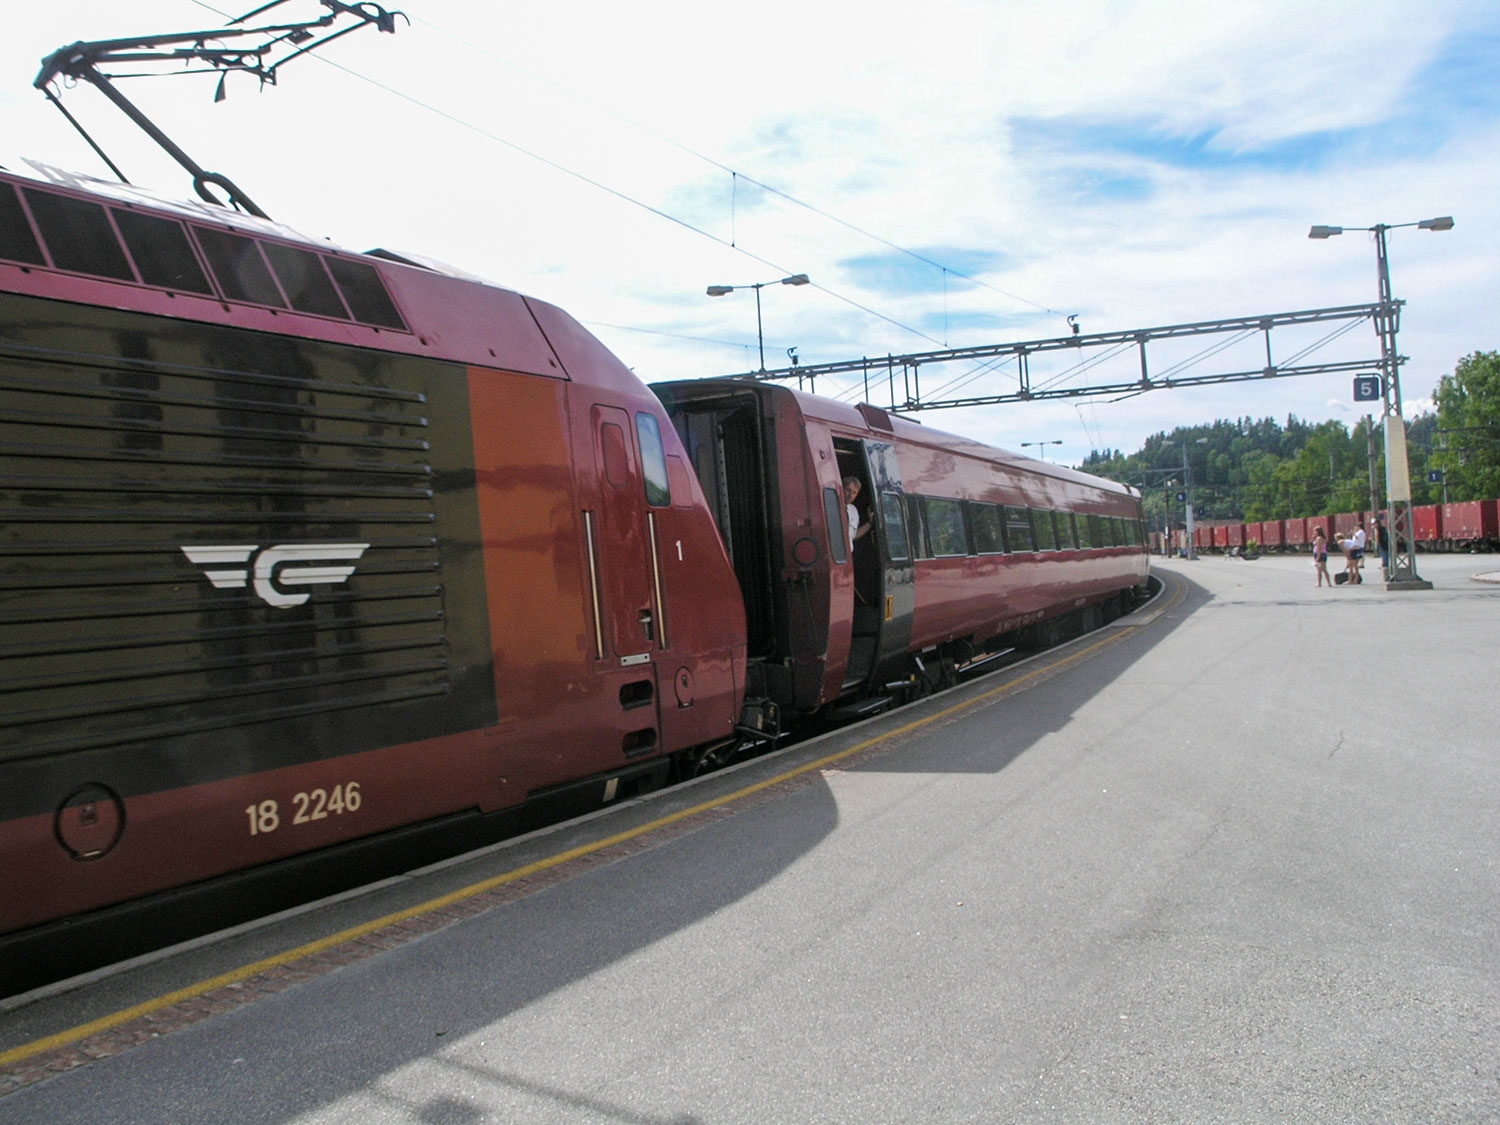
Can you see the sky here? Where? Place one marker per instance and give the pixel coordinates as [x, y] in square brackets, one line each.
[951, 174]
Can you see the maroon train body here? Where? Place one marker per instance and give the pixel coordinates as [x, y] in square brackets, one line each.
[302, 548]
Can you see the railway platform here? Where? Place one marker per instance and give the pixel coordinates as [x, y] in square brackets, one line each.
[1231, 858]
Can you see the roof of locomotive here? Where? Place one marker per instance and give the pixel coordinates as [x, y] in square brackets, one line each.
[439, 312]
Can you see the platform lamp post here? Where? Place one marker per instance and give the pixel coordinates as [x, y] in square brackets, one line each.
[1042, 445]
[760, 336]
[1187, 492]
[1401, 573]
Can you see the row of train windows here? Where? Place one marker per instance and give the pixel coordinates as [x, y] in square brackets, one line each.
[125, 245]
[927, 527]
[946, 528]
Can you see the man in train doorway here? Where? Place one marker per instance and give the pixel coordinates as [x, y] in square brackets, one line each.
[857, 530]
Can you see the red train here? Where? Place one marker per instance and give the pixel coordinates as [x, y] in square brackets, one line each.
[303, 548]
[1469, 525]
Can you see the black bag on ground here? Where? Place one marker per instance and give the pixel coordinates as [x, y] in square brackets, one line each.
[1341, 577]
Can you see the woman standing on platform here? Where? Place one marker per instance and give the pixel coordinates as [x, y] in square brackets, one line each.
[1320, 557]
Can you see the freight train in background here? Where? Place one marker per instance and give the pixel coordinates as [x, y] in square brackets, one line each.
[1466, 525]
[316, 565]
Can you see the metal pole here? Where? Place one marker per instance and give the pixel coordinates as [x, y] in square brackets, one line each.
[760, 335]
[1187, 485]
[1372, 457]
[1401, 574]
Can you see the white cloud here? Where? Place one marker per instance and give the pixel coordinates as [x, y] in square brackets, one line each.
[1055, 138]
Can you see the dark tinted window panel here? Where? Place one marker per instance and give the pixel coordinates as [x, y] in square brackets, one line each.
[1042, 530]
[833, 516]
[918, 524]
[16, 240]
[895, 525]
[162, 252]
[984, 526]
[304, 280]
[1018, 529]
[653, 461]
[79, 235]
[1095, 531]
[239, 268]
[945, 527]
[362, 288]
[1067, 538]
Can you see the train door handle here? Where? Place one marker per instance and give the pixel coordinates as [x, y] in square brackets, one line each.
[648, 625]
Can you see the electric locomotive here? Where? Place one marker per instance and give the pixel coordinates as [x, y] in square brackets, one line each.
[301, 547]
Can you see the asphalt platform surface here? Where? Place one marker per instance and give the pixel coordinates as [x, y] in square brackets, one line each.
[1235, 858]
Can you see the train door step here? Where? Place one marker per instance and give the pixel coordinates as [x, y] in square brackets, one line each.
[862, 708]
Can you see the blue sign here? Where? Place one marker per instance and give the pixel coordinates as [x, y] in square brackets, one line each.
[1366, 388]
[1182, 497]
[1435, 476]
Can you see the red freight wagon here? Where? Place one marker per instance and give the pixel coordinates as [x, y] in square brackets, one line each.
[1234, 535]
[1273, 533]
[1220, 537]
[1345, 524]
[1252, 531]
[1427, 523]
[1203, 537]
[1298, 531]
[1470, 520]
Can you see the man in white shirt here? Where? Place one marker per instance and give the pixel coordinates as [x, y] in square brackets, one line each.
[1357, 553]
[851, 491]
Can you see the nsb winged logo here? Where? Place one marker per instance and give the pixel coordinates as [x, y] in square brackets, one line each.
[229, 567]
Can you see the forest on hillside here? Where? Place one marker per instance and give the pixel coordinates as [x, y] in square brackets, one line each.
[1257, 469]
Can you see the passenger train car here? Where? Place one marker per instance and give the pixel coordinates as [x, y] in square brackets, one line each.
[305, 552]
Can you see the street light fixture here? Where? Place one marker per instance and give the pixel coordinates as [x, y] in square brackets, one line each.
[1187, 491]
[1401, 573]
[1042, 445]
[725, 290]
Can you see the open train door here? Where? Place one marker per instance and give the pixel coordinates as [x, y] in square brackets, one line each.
[884, 577]
[623, 570]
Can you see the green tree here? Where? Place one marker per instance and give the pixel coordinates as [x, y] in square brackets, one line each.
[1468, 427]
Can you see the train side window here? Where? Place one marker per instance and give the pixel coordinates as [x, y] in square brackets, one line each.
[895, 525]
[916, 523]
[616, 460]
[1018, 529]
[1043, 532]
[79, 235]
[984, 527]
[945, 528]
[304, 280]
[1095, 531]
[240, 270]
[362, 289]
[1067, 537]
[653, 461]
[1116, 531]
[833, 516]
[17, 243]
[162, 252]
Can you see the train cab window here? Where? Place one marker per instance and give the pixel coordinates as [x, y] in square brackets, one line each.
[945, 528]
[361, 286]
[162, 252]
[79, 235]
[680, 483]
[1043, 531]
[895, 525]
[16, 240]
[1018, 529]
[985, 529]
[238, 267]
[653, 461]
[304, 280]
[833, 516]
[1067, 535]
